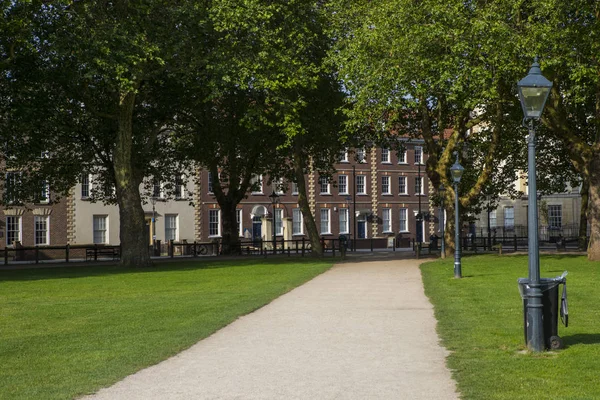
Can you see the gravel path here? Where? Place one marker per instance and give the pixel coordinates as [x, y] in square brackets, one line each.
[363, 330]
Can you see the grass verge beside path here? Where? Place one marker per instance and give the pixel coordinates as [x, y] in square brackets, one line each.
[480, 320]
[65, 332]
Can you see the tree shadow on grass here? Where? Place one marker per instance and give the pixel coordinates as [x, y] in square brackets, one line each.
[91, 270]
[582, 338]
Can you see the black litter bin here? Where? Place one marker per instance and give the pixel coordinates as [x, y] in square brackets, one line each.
[550, 310]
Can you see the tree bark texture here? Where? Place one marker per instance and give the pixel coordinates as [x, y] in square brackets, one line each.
[309, 220]
[230, 234]
[593, 250]
[583, 215]
[133, 234]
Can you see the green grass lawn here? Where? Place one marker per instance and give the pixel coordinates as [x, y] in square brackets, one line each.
[480, 320]
[65, 332]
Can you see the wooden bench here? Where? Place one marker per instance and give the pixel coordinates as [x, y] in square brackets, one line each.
[92, 253]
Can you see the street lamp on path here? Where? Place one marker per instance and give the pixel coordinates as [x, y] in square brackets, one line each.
[274, 200]
[533, 93]
[442, 193]
[457, 172]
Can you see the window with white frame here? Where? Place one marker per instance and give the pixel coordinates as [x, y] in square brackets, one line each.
[343, 156]
[509, 217]
[214, 225]
[40, 230]
[361, 187]
[278, 222]
[344, 225]
[387, 219]
[294, 188]
[403, 218]
[13, 229]
[297, 228]
[279, 186]
[402, 156]
[324, 185]
[385, 185]
[85, 186]
[402, 185]
[257, 184]
[171, 231]
[493, 221]
[385, 155]
[418, 155]
[343, 184]
[555, 215]
[325, 222]
[419, 185]
[100, 227]
[210, 183]
[238, 217]
[360, 155]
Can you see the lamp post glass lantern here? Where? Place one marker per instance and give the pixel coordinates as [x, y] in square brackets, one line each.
[533, 93]
[442, 193]
[274, 200]
[457, 171]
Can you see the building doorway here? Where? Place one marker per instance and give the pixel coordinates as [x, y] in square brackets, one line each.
[361, 227]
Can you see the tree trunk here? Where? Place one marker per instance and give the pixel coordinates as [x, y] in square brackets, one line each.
[583, 215]
[593, 250]
[133, 234]
[230, 234]
[309, 220]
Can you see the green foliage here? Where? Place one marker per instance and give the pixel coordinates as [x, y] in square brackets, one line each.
[70, 331]
[480, 320]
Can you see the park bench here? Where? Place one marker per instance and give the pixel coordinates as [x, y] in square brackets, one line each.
[92, 253]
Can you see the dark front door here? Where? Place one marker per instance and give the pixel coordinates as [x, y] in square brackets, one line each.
[419, 231]
[256, 230]
[362, 227]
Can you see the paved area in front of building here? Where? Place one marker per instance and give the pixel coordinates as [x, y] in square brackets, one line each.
[362, 330]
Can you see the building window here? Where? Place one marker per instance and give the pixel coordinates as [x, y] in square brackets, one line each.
[387, 219]
[279, 186]
[44, 193]
[278, 222]
[179, 188]
[343, 157]
[403, 212]
[555, 216]
[85, 186]
[214, 226]
[294, 188]
[12, 183]
[493, 219]
[509, 217]
[419, 185]
[385, 185]
[100, 229]
[360, 156]
[402, 185]
[157, 190]
[171, 227]
[209, 183]
[256, 184]
[324, 184]
[344, 213]
[13, 230]
[343, 184]
[401, 156]
[238, 217]
[385, 155]
[418, 155]
[41, 230]
[325, 225]
[297, 222]
[361, 187]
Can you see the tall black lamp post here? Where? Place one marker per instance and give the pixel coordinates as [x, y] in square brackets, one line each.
[457, 172]
[349, 222]
[274, 200]
[533, 93]
[419, 219]
[442, 193]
